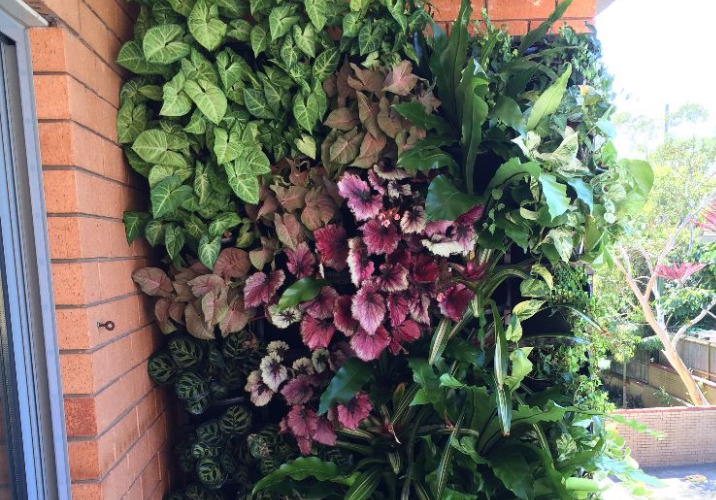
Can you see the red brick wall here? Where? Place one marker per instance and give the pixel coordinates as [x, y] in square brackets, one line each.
[519, 16]
[116, 419]
[689, 436]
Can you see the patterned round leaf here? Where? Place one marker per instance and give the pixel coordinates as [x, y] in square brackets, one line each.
[161, 368]
[185, 351]
[191, 387]
[209, 472]
[236, 420]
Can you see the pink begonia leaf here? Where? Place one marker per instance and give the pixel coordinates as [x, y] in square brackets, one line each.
[405, 333]
[401, 79]
[195, 323]
[232, 263]
[301, 261]
[369, 347]
[319, 210]
[424, 269]
[351, 414]
[392, 278]
[297, 391]
[359, 263]
[413, 220]
[368, 307]
[261, 288]
[343, 317]
[260, 393]
[454, 301]
[153, 281]
[398, 308]
[236, 317]
[316, 333]
[363, 203]
[273, 373]
[380, 237]
[389, 171]
[324, 432]
[332, 246]
[302, 421]
[419, 309]
[322, 306]
[288, 230]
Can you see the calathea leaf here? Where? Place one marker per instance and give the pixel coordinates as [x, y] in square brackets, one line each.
[281, 19]
[344, 385]
[549, 101]
[316, 10]
[208, 98]
[168, 195]
[555, 194]
[205, 25]
[162, 44]
[131, 121]
[134, 224]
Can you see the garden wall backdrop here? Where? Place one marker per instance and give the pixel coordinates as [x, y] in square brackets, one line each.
[116, 418]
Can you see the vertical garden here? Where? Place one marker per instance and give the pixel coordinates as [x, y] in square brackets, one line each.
[371, 235]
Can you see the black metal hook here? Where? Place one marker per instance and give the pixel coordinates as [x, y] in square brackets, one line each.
[108, 325]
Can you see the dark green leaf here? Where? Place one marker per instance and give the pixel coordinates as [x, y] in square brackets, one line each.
[555, 194]
[538, 34]
[549, 101]
[344, 385]
[446, 202]
[168, 195]
[134, 224]
[364, 485]
[415, 113]
[299, 469]
[511, 170]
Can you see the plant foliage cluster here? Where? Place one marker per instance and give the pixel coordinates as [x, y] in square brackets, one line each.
[370, 236]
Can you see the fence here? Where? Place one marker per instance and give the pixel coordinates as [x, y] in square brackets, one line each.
[637, 367]
[698, 355]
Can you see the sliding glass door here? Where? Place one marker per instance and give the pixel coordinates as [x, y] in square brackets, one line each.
[33, 456]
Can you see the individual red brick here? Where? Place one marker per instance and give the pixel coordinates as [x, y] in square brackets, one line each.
[77, 373]
[65, 10]
[447, 10]
[582, 8]
[116, 19]
[47, 49]
[56, 146]
[76, 283]
[52, 96]
[81, 416]
[84, 463]
[519, 9]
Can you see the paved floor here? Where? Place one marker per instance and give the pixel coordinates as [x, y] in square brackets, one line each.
[677, 486]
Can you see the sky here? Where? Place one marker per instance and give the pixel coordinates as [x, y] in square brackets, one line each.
[659, 52]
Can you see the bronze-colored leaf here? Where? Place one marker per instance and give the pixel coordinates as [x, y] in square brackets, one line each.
[236, 316]
[401, 80]
[370, 150]
[319, 210]
[232, 263]
[366, 79]
[290, 198]
[201, 285]
[153, 281]
[368, 113]
[289, 230]
[342, 119]
[195, 323]
[389, 120]
[346, 147]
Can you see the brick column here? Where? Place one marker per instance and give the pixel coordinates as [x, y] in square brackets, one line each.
[116, 419]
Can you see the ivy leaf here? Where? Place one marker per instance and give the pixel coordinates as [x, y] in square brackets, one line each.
[299, 469]
[134, 224]
[131, 121]
[281, 20]
[447, 202]
[244, 184]
[303, 290]
[344, 385]
[259, 40]
[168, 195]
[208, 98]
[326, 64]
[257, 105]
[162, 44]
[555, 194]
[549, 101]
[204, 24]
[209, 250]
[316, 10]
